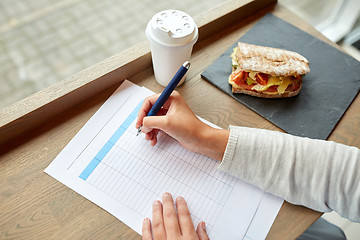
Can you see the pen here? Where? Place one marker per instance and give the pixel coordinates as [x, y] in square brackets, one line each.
[167, 91]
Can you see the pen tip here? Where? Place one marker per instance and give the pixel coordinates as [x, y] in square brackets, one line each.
[138, 131]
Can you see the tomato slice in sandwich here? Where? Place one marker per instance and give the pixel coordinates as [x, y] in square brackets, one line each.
[245, 86]
[239, 77]
[272, 89]
[262, 78]
[293, 87]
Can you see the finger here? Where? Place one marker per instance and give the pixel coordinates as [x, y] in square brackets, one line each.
[201, 231]
[149, 136]
[146, 229]
[152, 134]
[154, 139]
[185, 222]
[145, 108]
[154, 122]
[170, 217]
[162, 111]
[157, 221]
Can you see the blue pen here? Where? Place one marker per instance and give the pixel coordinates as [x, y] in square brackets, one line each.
[167, 91]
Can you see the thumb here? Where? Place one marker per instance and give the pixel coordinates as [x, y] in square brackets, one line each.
[154, 122]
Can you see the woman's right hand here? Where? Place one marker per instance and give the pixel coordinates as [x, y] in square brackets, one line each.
[177, 120]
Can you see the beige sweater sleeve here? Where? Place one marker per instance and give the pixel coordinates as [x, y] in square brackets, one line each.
[321, 175]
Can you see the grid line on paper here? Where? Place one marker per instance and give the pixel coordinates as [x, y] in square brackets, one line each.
[193, 165]
[121, 105]
[109, 144]
[165, 173]
[173, 178]
[129, 178]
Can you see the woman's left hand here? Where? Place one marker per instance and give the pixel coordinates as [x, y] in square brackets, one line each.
[169, 224]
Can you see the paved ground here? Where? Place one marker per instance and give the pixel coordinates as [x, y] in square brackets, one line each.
[44, 41]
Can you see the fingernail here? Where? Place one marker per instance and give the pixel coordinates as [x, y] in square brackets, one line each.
[166, 195]
[179, 198]
[156, 203]
[146, 220]
[203, 226]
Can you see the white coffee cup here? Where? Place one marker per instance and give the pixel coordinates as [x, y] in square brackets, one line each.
[172, 35]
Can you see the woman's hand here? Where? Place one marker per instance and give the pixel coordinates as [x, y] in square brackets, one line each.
[177, 120]
[167, 224]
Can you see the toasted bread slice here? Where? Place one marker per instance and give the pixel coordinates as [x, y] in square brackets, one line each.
[272, 61]
[266, 95]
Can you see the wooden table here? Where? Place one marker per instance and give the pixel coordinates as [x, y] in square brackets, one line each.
[33, 131]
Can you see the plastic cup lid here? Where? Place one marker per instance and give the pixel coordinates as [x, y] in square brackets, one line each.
[172, 27]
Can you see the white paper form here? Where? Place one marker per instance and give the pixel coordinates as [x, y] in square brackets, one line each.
[264, 217]
[108, 164]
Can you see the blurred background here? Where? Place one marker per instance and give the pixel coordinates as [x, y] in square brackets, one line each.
[44, 41]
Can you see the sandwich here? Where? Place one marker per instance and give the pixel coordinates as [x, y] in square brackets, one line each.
[267, 72]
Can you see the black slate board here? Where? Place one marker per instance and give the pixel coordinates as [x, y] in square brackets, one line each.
[328, 90]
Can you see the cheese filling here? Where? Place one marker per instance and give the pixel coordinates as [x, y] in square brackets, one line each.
[281, 82]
